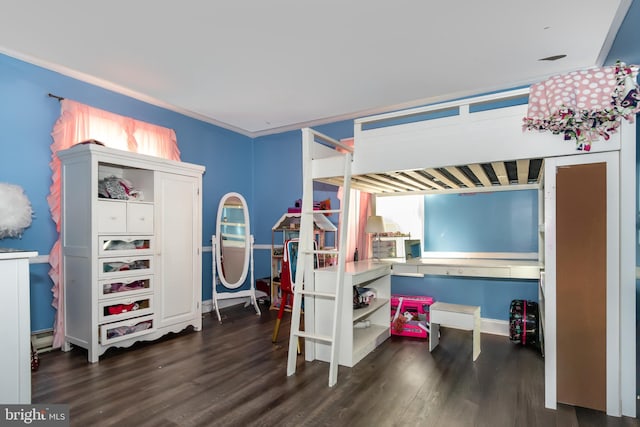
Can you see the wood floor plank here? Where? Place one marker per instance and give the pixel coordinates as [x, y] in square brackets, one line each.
[231, 374]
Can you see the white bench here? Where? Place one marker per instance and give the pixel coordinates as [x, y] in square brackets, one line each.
[466, 317]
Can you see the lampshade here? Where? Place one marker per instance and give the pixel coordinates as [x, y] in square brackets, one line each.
[375, 224]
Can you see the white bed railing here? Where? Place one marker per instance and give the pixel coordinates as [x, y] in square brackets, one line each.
[484, 129]
[327, 162]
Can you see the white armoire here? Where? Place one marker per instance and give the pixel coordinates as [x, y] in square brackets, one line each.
[131, 247]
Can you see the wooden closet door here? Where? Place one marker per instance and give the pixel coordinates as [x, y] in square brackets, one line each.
[581, 279]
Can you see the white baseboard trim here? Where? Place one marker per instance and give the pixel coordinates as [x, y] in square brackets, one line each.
[44, 259]
[207, 305]
[494, 326]
[259, 246]
[39, 259]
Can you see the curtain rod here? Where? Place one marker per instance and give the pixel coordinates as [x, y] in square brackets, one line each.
[59, 98]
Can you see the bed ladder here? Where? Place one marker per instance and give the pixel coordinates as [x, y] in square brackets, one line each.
[319, 151]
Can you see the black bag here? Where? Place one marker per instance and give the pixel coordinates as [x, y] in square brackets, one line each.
[523, 322]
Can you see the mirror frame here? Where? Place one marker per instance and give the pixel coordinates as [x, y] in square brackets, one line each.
[247, 240]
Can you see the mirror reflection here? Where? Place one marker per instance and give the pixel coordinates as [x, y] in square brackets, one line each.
[233, 241]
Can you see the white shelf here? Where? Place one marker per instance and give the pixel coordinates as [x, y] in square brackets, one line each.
[354, 343]
[367, 339]
[364, 312]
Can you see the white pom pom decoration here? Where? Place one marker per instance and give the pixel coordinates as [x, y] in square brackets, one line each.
[15, 211]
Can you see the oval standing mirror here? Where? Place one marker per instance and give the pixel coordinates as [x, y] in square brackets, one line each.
[233, 252]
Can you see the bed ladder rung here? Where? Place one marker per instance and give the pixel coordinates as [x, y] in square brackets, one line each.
[318, 294]
[324, 211]
[325, 338]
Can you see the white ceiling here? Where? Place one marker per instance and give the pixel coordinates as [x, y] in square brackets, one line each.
[260, 67]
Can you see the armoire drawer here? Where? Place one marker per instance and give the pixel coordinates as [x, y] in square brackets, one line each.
[124, 245]
[139, 217]
[125, 286]
[117, 216]
[112, 216]
[119, 331]
[124, 266]
[124, 308]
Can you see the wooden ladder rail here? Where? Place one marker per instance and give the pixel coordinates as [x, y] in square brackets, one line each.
[304, 284]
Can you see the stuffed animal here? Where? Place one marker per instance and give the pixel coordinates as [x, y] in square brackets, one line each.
[398, 323]
[15, 211]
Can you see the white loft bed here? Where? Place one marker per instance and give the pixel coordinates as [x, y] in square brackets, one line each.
[464, 151]
[394, 158]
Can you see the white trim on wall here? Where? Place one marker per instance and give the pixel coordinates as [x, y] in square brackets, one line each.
[256, 246]
[39, 259]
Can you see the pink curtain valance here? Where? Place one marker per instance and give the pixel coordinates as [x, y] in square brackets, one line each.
[584, 105]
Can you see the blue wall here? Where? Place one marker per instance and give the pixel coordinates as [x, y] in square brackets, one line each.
[503, 221]
[625, 45]
[27, 116]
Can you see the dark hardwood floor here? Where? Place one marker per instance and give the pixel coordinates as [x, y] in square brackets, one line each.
[230, 374]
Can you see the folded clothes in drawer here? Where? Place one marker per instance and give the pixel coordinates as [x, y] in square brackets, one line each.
[125, 286]
[118, 267]
[120, 331]
[124, 245]
[116, 309]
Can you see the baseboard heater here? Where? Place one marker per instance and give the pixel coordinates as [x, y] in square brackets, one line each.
[42, 341]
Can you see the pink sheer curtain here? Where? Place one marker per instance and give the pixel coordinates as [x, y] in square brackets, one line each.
[77, 123]
[155, 141]
[359, 210]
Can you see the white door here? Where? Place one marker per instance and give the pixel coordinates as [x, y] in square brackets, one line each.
[582, 281]
[179, 267]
